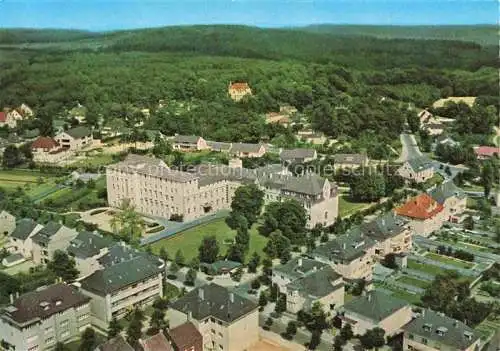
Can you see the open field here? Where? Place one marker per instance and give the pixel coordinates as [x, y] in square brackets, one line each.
[94, 161]
[189, 240]
[489, 326]
[469, 100]
[449, 260]
[348, 207]
[434, 270]
[413, 281]
[35, 184]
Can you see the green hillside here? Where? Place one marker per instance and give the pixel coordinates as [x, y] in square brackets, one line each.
[481, 34]
[22, 35]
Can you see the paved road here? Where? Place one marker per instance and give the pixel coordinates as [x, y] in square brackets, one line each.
[410, 148]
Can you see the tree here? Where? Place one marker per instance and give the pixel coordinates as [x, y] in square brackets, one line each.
[413, 122]
[236, 253]
[114, 328]
[368, 186]
[161, 147]
[338, 343]
[373, 338]
[134, 330]
[242, 238]
[274, 293]
[174, 267]
[248, 201]
[209, 249]
[88, 340]
[157, 321]
[277, 244]
[346, 332]
[291, 329]
[163, 254]
[60, 347]
[315, 340]
[280, 306]
[179, 258]
[63, 266]
[128, 223]
[487, 177]
[390, 261]
[190, 277]
[289, 217]
[12, 156]
[262, 299]
[253, 263]
[468, 223]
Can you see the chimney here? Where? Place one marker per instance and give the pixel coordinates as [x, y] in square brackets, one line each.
[344, 246]
[17, 294]
[231, 297]
[369, 297]
[300, 262]
[201, 294]
[11, 299]
[189, 316]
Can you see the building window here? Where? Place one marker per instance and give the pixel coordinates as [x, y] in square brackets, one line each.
[424, 341]
[50, 340]
[65, 334]
[411, 337]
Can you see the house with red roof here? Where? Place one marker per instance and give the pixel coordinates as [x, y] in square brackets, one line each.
[425, 214]
[485, 152]
[48, 150]
[238, 90]
[6, 119]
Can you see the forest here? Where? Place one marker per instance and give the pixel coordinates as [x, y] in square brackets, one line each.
[345, 86]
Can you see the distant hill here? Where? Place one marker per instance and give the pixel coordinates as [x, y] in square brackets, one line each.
[23, 36]
[481, 34]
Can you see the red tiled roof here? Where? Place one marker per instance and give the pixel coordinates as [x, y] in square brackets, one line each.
[157, 342]
[422, 206]
[3, 116]
[239, 86]
[185, 335]
[44, 143]
[486, 150]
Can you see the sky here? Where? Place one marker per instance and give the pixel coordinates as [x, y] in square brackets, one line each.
[127, 14]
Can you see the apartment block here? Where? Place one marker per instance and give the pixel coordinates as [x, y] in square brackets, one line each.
[20, 240]
[87, 249]
[392, 233]
[157, 190]
[38, 320]
[126, 279]
[225, 320]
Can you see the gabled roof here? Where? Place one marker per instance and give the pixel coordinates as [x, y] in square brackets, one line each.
[422, 206]
[117, 343]
[419, 164]
[44, 143]
[219, 146]
[438, 327]
[245, 148]
[298, 267]
[24, 227]
[156, 342]
[317, 284]
[119, 275]
[88, 244]
[487, 150]
[375, 305]
[293, 154]
[446, 190]
[310, 184]
[79, 132]
[185, 335]
[213, 300]
[358, 159]
[45, 302]
[190, 139]
[3, 116]
[239, 86]
[44, 235]
[348, 247]
[385, 226]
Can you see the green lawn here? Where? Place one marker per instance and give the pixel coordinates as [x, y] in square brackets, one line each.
[411, 298]
[434, 270]
[28, 180]
[95, 160]
[348, 207]
[449, 260]
[413, 281]
[435, 180]
[189, 240]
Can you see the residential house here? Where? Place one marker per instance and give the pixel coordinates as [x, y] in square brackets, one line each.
[350, 255]
[157, 342]
[6, 119]
[444, 140]
[189, 143]
[13, 259]
[310, 136]
[221, 267]
[238, 91]
[47, 150]
[433, 331]
[306, 281]
[226, 321]
[219, 146]
[75, 139]
[417, 169]
[391, 232]
[126, 279]
[26, 111]
[434, 128]
[350, 161]
[243, 150]
[279, 118]
[426, 214]
[452, 198]
[51, 238]
[7, 223]
[39, 319]
[185, 337]
[86, 249]
[376, 309]
[425, 116]
[292, 156]
[14, 114]
[118, 343]
[155, 189]
[20, 241]
[486, 152]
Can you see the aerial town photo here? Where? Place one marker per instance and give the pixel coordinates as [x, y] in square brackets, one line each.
[249, 175]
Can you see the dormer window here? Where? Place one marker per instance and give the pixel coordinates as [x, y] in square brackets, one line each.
[427, 327]
[468, 335]
[441, 331]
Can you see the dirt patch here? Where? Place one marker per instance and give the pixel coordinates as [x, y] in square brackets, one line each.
[267, 345]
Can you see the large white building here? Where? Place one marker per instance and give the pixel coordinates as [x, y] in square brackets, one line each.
[157, 190]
